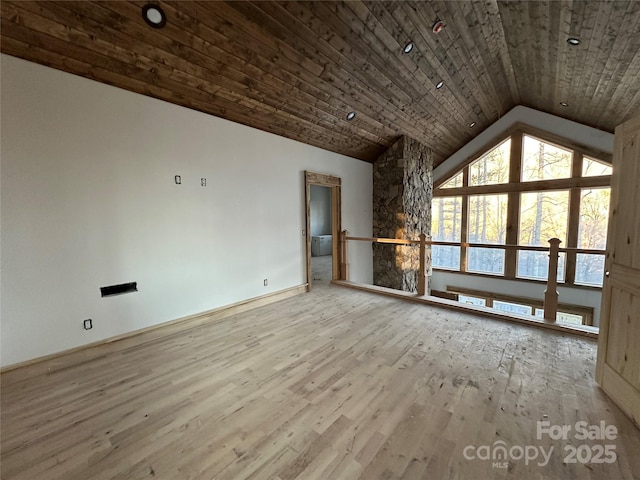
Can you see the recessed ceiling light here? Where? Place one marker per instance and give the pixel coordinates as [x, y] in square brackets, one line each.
[351, 116]
[472, 124]
[439, 85]
[573, 41]
[438, 25]
[408, 47]
[154, 15]
[564, 104]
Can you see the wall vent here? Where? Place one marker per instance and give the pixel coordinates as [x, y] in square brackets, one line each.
[120, 289]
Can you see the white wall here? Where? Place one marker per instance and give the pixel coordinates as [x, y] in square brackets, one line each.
[573, 131]
[88, 200]
[320, 210]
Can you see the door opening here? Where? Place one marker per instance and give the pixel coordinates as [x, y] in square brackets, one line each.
[323, 225]
[321, 230]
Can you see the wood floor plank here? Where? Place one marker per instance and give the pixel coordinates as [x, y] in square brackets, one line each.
[334, 384]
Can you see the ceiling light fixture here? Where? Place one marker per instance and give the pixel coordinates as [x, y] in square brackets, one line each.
[408, 47]
[472, 124]
[573, 41]
[438, 25]
[440, 84]
[351, 116]
[154, 15]
[564, 104]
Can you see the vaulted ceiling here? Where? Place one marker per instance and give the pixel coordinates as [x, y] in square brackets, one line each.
[297, 68]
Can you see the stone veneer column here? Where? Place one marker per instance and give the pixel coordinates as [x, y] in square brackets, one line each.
[402, 193]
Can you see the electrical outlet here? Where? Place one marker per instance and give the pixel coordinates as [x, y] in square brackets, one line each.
[266, 282]
[178, 179]
[203, 182]
[303, 232]
[88, 324]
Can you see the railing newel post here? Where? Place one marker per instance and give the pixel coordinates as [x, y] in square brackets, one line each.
[422, 274]
[344, 272]
[551, 293]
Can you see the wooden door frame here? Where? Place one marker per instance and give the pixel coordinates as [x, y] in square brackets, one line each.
[335, 183]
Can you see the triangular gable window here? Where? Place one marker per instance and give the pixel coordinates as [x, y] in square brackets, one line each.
[493, 167]
[453, 182]
[594, 168]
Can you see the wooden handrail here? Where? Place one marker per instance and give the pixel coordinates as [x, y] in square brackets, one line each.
[590, 251]
[394, 241]
[496, 246]
[550, 295]
[528, 248]
[422, 242]
[550, 302]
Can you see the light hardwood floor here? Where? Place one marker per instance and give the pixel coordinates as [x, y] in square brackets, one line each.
[334, 384]
[321, 269]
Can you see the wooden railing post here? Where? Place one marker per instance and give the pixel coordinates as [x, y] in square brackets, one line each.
[344, 273]
[422, 274]
[551, 293]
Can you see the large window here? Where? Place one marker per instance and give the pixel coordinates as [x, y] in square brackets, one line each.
[446, 226]
[543, 215]
[592, 234]
[487, 224]
[525, 191]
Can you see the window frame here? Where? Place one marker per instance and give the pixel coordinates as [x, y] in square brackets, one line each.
[489, 297]
[574, 184]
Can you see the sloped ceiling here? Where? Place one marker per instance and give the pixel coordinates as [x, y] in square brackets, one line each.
[297, 68]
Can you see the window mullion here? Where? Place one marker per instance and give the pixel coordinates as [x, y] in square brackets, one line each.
[464, 230]
[513, 208]
[574, 220]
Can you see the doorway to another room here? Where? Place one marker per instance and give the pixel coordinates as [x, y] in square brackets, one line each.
[323, 227]
[321, 234]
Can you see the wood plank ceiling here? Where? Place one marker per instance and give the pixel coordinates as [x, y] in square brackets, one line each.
[297, 68]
